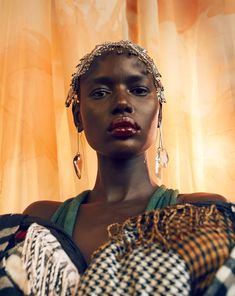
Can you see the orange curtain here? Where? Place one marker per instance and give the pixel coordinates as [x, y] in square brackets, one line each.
[41, 41]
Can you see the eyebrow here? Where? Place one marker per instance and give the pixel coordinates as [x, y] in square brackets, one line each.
[109, 81]
[101, 80]
[136, 78]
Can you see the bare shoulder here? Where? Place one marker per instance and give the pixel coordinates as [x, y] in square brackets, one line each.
[200, 197]
[43, 209]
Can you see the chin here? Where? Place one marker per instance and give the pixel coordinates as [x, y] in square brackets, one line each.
[125, 152]
[123, 155]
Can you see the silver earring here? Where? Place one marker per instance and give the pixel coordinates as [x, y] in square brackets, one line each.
[162, 157]
[77, 160]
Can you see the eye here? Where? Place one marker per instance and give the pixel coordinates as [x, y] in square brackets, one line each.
[139, 91]
[99, 93]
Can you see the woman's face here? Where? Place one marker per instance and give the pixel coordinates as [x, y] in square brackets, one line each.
[118, 106]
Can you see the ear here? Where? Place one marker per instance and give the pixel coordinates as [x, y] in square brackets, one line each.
[77, 117]
[159, 115]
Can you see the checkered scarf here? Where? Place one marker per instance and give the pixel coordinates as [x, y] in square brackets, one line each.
[173, 251]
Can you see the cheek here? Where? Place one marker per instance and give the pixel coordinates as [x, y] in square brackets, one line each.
[151, 114]
[152, 129]
[89, 123]
[152, 134]
[87, 115]
[151, 123]
[93, 125]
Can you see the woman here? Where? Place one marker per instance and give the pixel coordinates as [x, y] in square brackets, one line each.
[117, 101]
[119, 110]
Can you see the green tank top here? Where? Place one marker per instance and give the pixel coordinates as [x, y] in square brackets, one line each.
[66, 214]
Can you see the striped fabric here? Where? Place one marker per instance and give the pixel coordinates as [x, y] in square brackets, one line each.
[36, 258]
[185, 249]
[224, 281]
[9, 224]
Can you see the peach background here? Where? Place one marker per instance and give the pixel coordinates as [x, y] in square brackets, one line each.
[41, 41]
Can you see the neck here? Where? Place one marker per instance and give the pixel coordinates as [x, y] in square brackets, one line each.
[122, 179]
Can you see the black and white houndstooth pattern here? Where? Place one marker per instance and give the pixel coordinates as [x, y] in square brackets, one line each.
[146, 270]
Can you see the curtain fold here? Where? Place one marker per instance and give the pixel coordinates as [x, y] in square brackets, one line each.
[41, 42]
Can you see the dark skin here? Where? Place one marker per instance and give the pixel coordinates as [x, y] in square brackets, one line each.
[116, 86]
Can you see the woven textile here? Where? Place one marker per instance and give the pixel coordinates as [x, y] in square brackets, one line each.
[147, 252]
[224, 281]
[49, 270]
[147, 270]
[9, 266]
[36, 258]
[179, 250]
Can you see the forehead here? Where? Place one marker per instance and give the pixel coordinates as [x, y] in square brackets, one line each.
[112, 64]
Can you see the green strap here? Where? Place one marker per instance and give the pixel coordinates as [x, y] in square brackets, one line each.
[59, 214]
[161, 198]
[66, 214]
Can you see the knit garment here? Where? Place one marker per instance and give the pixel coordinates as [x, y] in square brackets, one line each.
[172, 251]
[182, 249]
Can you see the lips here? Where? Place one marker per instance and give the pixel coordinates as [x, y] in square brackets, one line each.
[123, 127]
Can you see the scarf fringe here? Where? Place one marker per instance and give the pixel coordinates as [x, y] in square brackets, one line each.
[50, 271]
[164, 226]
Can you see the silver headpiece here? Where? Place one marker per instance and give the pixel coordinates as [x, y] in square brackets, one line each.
[119, 48]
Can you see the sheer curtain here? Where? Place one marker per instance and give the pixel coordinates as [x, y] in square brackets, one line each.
[41, 41]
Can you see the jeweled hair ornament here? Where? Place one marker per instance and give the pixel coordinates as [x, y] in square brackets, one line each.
[119, 48]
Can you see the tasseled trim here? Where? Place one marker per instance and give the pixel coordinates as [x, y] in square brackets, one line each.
[202, 235]
[164, 225]
[49, 269]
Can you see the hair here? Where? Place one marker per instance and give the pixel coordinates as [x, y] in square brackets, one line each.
[120, 47]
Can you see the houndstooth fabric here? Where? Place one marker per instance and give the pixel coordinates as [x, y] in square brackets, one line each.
[147, 270]
[224, 281]
[173, 251]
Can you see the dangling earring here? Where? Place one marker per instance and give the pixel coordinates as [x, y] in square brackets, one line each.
[77, 160]
[162, 157]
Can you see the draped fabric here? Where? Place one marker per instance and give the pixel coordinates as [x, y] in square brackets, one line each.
[41, 41]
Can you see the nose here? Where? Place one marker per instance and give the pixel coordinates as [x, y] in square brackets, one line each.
[122, 104]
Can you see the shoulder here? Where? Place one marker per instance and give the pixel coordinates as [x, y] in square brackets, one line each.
[201, 197]
[43, 209]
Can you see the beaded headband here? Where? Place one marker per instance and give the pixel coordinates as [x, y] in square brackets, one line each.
[119, 48]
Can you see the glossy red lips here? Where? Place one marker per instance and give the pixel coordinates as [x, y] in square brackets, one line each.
[123, 127]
